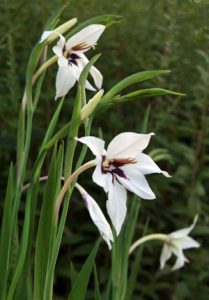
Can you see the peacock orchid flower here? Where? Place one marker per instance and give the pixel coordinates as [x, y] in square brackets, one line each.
[72, 60]
[175, 243]
[97, 216]
[122, 166]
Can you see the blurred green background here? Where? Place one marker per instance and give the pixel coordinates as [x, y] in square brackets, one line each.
[155, 34]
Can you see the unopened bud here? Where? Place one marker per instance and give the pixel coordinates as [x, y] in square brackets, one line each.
[52, 35]
[88, 109]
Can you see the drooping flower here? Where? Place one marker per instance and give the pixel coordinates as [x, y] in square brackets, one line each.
[122, 167]
[175, 243]
[97, 216]
[72, 60]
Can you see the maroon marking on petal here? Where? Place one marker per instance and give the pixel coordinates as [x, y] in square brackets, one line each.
[119, 172]
[81, 47]
[117, 162]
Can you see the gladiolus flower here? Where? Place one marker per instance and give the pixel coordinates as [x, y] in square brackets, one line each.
[175, 243]
[97, 216]
[72, 60]
[122, 167]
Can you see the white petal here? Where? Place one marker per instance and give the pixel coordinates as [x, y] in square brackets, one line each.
[58, 51]
[89, 87]
[86, 37]
[102, 179]
[181, 259]
[96, 145]
[65, 80]
[183, 232]
[128, 145]
[116, 205]
[61, 42]
[97, 216]
[95, 73]
[62, 61]
[146, 165]
[45, 35]
[188, 242]
[82, 62]
[165, 255]
[136, 183]
[97, 77]
[78, 70]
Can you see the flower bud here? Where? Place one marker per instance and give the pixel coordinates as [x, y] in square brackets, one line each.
[52, 35]
[88, 109]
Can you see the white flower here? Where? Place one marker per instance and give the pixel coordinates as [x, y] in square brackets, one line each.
[175, 243]
[97, 216]
[72, 60]
[122, 167]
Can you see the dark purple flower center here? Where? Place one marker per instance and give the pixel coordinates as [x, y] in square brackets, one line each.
[72, 58]
[113, 166]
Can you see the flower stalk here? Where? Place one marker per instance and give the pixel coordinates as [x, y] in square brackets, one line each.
[69, 181]
[150, 237]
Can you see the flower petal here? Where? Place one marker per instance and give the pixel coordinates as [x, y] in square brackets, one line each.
[102, 179]
[78, 70]
[97, 77]
[65, 80]
[45, 35]
[183, 232]
[165, 255]
[96, 145]
[116, 205]
[62, 61]
[181, 259]
[97, 216]
[86, 38]
[136, 183]
[58, 49]
[89, 86]
[146, 165]
[128, 145]
[188, 242]
[95, 73]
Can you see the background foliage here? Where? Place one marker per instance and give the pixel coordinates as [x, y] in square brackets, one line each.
[155, 34]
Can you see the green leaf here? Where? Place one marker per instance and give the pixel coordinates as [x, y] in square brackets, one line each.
[53, 20]
[145, 93]
[73, 132]
[80, 286]
[5, 242]
[132, 280]
[97, 293]
[132, 79]
[49, 132]
[22, 259]
[63, 132]
[47, 225]
[144, 126]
